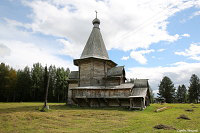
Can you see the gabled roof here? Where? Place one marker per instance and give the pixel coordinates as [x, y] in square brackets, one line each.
[139, 92]
[74, 75]
[140, 89]
[115, 71]
[95, 46]
[141, 83]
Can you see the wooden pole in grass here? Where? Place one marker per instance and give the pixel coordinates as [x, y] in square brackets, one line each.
[46, 87]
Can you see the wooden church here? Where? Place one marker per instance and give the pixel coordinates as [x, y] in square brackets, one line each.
[99, 82]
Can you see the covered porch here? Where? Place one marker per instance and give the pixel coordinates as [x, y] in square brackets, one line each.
[139, 98]
[139, 102]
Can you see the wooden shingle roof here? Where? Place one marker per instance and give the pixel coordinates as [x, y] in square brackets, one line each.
[115, 71]
[95, 46]
[74, 75]
[141, 83]
[139, 92]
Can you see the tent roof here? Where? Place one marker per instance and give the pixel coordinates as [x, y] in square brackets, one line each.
[95, 46]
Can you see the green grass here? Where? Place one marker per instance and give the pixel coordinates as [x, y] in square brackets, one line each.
[26, 117]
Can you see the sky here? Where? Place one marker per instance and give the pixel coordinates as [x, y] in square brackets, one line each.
[151, 38]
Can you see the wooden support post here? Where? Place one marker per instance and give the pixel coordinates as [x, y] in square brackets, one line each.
[141, 104]
[131, 103]
[144, 102]
[106, 101]
[87, 101]
[99, 102]
[79, 76]
[118, 101]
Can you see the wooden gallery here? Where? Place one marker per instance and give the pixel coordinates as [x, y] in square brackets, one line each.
[99, 82]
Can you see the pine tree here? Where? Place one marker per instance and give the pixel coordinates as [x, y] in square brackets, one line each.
[194, 89]
[181, 94]
[61, 84]
[52, 84]
[167, 90]
[37, 73]
[12, 78]
[4, 75]
[23, 87]
[7, 83]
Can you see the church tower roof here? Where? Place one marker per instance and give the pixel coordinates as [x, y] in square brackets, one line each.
[95, 46]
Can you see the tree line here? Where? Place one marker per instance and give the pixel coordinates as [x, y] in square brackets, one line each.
[168, 92]
[28, 84]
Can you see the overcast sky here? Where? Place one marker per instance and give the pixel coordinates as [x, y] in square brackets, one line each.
[151, 38]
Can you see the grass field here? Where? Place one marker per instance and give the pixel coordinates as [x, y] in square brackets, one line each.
[25, 117]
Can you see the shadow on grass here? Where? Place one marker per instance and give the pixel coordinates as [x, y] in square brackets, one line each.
[91, 108]
[56, 107]
[19, 109]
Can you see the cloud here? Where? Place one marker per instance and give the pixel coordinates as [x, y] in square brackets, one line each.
[161, 50]
[14, 23]
[139, 55]
[179, 73]
[70, 49]
[4, 51]
[186, 35]
[193, 52]
[25, 54]
[155, 92]
[20, 48]
[197, 13]
[123, 30]
[125, 58]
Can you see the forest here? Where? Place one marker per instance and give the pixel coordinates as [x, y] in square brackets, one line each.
[28, 84]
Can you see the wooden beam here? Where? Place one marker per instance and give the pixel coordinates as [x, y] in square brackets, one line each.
[75, 101]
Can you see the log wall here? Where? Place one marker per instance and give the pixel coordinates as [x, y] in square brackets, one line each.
[69, 98]
[101, 93]
[92, 72]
